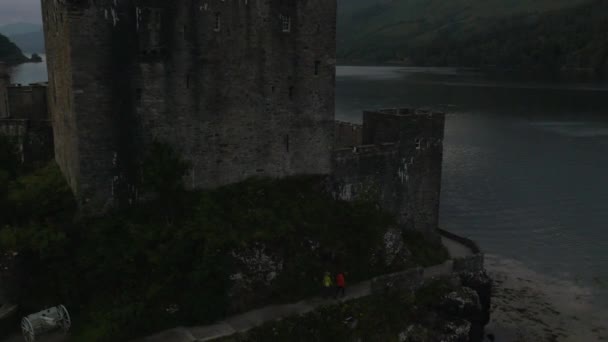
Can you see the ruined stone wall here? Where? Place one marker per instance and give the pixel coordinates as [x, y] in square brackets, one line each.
[28, 102]
[399, 167]
[240, 88]
[4, 83]
[33, 139]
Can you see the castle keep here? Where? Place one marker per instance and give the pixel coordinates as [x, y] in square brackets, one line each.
[239, 87]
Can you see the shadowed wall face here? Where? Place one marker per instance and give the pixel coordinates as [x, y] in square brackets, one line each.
[239, 88]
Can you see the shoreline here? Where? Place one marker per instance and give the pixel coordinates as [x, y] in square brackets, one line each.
[530, 307]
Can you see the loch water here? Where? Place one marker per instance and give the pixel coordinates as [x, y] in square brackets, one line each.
[525, 169]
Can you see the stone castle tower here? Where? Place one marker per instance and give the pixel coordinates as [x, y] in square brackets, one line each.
[238, 87]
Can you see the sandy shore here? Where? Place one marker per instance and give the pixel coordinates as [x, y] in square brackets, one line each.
[530, 307]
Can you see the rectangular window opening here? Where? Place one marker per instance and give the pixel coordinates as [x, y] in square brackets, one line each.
[317, 67]
[286, 23]
[188, 81]
[218, 22]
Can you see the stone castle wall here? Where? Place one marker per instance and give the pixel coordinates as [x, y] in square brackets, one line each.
[348, 135]
[28, 102]
[25, 121]
[33, 139]
[399, 165]
[240, 88]
[4, 83]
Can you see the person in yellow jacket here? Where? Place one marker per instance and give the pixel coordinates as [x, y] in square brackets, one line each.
[328, 285]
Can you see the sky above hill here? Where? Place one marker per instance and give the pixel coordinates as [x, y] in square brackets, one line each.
[19, 11]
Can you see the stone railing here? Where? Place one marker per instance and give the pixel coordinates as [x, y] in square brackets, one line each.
[472, 263]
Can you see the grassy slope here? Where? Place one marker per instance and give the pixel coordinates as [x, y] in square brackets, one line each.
[365, 25]
[118, 273]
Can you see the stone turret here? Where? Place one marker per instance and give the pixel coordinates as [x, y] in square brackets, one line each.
[5, 81]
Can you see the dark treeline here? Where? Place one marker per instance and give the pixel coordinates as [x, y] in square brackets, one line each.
[570, 40]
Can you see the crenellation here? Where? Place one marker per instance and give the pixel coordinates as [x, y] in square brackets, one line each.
[398, 164]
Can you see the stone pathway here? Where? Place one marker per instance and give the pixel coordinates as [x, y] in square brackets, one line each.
[246, 321]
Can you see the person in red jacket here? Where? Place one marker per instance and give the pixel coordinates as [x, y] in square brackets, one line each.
[340, 285]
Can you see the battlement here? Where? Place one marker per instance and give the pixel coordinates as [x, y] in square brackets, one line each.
[398, 164]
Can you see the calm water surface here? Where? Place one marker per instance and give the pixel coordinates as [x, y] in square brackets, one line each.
[525, 167]
[526, 163]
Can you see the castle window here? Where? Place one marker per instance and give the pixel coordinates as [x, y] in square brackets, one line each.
[287, 143]
[218, 22]
[418, 144]
[286, 23]
[291, 91]
[317, 67]
[188, 81]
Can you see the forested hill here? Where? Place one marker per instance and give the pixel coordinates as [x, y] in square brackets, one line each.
[505, 33]
[10, 53]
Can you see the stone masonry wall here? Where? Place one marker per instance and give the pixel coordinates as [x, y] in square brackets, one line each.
[240, 88]
[348, 135]
[60, 94]
[33, 139]
[28, 102]
[4, 83]
[399, 167]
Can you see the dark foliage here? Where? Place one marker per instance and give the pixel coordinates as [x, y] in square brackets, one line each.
[119, 274]
[9, 52]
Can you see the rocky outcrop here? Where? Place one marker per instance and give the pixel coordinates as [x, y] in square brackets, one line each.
[481, 283]
[465, 304]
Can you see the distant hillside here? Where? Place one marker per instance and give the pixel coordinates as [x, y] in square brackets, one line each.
[28, 37]
[10, 53]
[19, 28]
[31, 42]
[507, 33]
